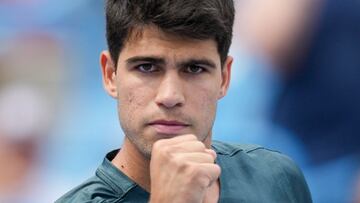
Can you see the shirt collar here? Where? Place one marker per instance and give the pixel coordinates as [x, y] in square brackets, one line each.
[115, 178]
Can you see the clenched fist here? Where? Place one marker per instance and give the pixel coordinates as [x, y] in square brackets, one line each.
[183, 170]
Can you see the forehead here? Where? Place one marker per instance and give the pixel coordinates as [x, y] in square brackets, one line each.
[152, 41]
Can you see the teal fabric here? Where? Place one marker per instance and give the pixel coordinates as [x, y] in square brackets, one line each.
[249, 173]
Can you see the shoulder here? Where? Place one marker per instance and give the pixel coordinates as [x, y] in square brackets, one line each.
[107, 185]
[230, 149]
[266, 165]
[255, 154]
[92, 190]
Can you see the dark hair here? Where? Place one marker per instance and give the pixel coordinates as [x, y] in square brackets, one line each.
[196, 19]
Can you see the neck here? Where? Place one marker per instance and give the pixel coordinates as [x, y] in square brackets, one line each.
[133, 164]
[208, 140]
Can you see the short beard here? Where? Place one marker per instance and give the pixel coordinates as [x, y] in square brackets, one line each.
[143, 148]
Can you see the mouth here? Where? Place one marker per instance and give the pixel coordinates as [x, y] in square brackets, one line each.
[169, 126]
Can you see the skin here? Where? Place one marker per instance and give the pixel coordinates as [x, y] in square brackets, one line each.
[161, 79]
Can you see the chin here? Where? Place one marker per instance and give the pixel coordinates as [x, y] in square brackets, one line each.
[145, 149]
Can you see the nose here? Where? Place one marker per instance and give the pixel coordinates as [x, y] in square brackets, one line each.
[170, 92]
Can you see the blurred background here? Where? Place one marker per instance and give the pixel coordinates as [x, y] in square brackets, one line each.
[295, 88]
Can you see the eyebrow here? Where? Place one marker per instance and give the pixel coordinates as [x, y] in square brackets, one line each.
[162, 61]
[151, 59]
[202, 61]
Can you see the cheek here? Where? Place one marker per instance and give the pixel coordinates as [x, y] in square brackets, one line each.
[204, 112]
[127, 112]
[128, 103]
[206, 102]
[132, 102]
[210, 103]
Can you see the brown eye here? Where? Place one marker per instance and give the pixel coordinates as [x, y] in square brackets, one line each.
[146, 68]
[194, 69]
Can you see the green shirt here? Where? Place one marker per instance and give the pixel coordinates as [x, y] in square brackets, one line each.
[249, 173]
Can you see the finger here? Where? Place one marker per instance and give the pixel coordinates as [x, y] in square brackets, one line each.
[211, 152]
[195, 157]
[179, 139]
[189, 146]
[211, 173]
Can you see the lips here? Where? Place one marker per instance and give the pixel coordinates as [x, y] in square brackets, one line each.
[168, 127]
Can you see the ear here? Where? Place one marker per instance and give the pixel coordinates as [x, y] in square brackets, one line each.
[225, 76]
[108, 71]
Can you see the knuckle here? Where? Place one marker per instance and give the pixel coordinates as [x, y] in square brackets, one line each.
[217, 170]
[178, 162]
[199, 176]
[157, 145]
[165, 152]
[161, 151]
[201, 145]
[182, 166]
[210, 158]
[190, 170]
[192, 136]
[204, 180]
[175, 160]
[196, 172]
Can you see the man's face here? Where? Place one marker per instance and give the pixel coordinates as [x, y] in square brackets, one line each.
[166, 86]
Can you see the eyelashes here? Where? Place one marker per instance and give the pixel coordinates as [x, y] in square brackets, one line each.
[147, 68]
[151, 68]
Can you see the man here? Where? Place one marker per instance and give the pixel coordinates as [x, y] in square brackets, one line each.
[167, 66]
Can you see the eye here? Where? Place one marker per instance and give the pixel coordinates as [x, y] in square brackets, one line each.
[195, 69]
[146, 68]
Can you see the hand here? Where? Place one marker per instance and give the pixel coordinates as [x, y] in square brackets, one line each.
[181, 170]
